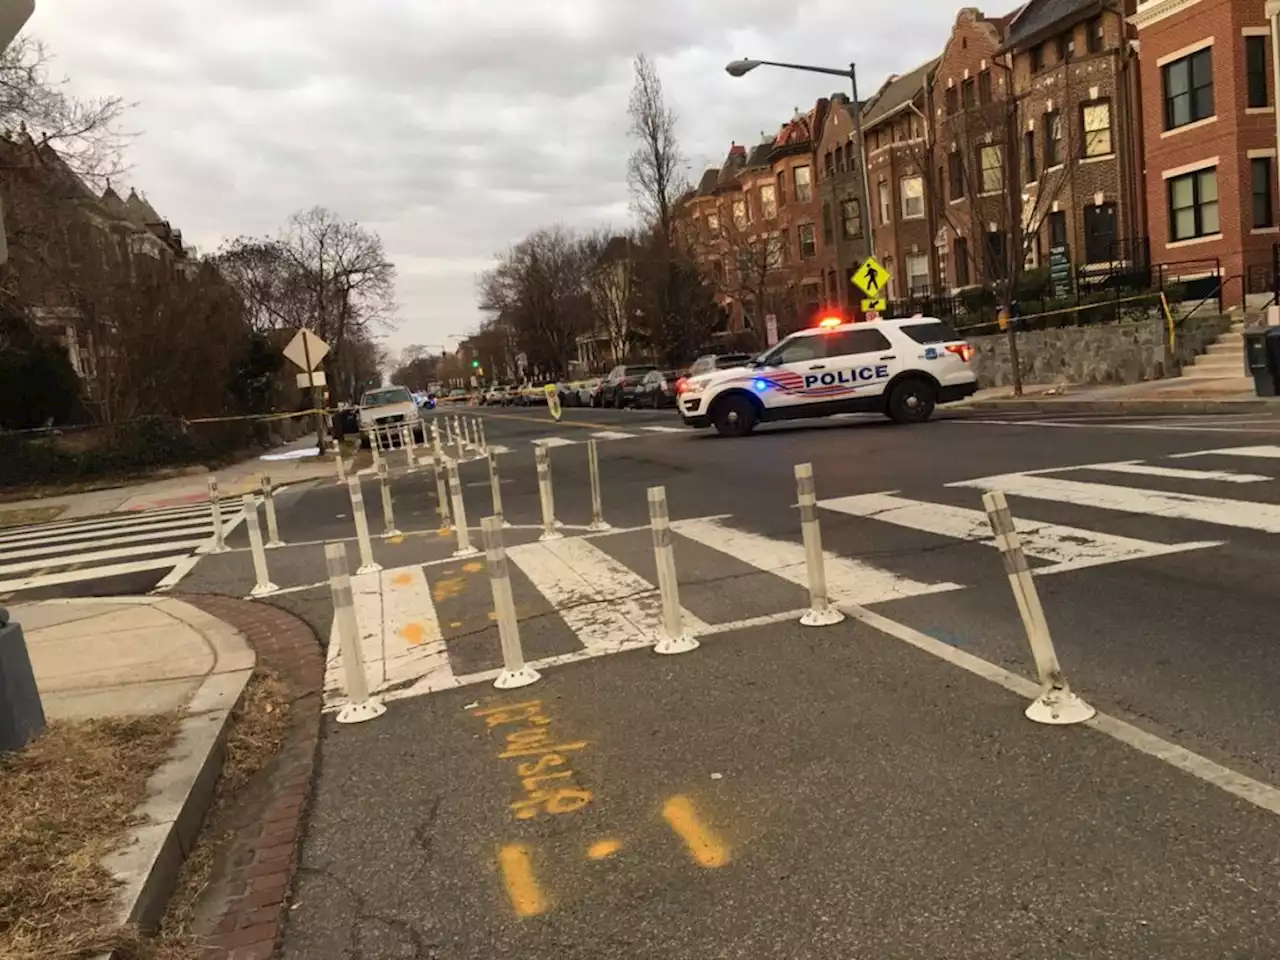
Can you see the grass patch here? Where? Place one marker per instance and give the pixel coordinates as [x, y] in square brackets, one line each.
[18, 517]
[258, 729]
[69, 800]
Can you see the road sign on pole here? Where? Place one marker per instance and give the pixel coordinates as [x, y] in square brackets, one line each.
[770, 329]
[871, 278]
[307, 350]
[877, 305]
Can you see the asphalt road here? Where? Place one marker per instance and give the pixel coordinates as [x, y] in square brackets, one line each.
[792, 792]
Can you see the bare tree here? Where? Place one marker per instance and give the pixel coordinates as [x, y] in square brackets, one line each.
[540, 286]
[268, 283]
[655, 170]
[86, 133]
[611, 290]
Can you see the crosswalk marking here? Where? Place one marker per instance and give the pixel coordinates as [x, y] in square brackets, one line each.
[1264, 452]
[661, 429]
[1173, 473]
[608, 605]
[612, 435]
[96, 556]
[555, 442]
[1243, 514]
[848, 581]
[97, 531]
[1066, 548]
[102, 526]
[93, 573]
[148, 542]
[123, 517]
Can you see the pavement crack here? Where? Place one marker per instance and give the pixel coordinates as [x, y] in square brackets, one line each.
[424, 830]
[364, 923]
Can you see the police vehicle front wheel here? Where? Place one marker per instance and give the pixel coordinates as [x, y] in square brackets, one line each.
[911, 401]
[734, 416]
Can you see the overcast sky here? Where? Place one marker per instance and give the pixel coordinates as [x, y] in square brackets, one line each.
[452, 129]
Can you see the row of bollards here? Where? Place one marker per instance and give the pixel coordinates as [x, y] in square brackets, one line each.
[1057, 704]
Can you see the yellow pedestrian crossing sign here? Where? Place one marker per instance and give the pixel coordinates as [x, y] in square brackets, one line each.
[879, 305]
[871, 278]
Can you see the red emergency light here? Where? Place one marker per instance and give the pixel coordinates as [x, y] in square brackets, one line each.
[828, 322]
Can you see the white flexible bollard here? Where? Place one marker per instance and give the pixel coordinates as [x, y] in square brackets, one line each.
[461, 531]
[672, 637]
[367, 563]
[484, 442]
[342, 467]
[593, 469]
[360, 706]
[437, 449]
[459, 439]
[219, 544]
[411, 449]
[388, 511]
[269, 503]
[495, 488]
[515, 672]
[820, 613]
[442, 492]
[1056, 703]
[546, 495]
[263, 586]
[375, 445]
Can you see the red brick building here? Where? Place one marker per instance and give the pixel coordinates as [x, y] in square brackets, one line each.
[1208, 109]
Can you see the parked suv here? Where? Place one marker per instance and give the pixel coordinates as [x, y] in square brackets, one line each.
[721, 361]
[619, 387]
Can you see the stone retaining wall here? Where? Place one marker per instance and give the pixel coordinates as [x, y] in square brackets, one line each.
[1105, 353]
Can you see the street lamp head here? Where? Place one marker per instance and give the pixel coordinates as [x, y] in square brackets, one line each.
[740, 67]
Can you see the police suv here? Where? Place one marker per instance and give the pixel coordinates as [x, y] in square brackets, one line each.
[902, 368]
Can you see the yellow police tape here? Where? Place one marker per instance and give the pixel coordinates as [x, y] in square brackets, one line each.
[1164, 303]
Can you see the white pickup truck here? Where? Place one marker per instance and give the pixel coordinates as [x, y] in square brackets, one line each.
[389, 408]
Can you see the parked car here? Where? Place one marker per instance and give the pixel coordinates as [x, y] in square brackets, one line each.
[619, 387]
[588, 391]
[718, 361]
[658, 389]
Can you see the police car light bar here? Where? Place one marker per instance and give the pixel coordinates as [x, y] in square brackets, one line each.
[830, 322]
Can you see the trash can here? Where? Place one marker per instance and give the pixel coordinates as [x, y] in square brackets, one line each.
[1262, 359]
[21, 713]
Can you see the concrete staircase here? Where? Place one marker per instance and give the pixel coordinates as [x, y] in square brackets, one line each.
[1223, 361]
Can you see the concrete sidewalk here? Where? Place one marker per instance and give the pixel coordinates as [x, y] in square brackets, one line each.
[287, 464]
[1174, 395]
[125, 656]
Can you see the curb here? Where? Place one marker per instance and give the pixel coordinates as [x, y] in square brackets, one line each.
[181, 790]
[1123, 406]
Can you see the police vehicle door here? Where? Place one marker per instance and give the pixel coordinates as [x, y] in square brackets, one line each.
[791, 370]
[860, 362]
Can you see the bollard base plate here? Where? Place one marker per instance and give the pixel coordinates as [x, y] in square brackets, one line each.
[272, 544]
[551, 535]
[215, 548]
[393, 532]
[371, 709]
[468, 552]
[672, 645]
[263, 589]
[599, 526]
[369, 568]
[1059, 708]
[821, 617]
[512, 679]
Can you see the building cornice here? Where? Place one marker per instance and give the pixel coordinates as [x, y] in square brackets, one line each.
[1156, 10]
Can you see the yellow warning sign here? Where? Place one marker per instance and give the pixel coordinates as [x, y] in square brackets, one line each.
[871, 278]
[878, 305]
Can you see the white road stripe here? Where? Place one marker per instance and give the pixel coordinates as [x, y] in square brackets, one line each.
[1169, 428]
[412, 643]
[106, 530]
[1155, 503]
[61, 546]
[95, 556]
[125, 516]
[848, 581]
[656, 429]
[607, 605]
[1173, 473]
[1066, 548]
[174, 576]
[556, 442]
[95, 573]
[1262, 452]
[612, 435]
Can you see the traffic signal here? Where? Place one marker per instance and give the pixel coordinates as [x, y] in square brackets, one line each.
[475, 363]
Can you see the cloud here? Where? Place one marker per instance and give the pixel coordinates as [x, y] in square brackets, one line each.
[453, 130]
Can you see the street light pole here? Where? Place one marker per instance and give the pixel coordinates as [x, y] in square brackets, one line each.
[740, 67]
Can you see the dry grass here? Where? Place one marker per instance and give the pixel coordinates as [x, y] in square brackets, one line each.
[258, 728]
[68, 800]
[20, 516]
